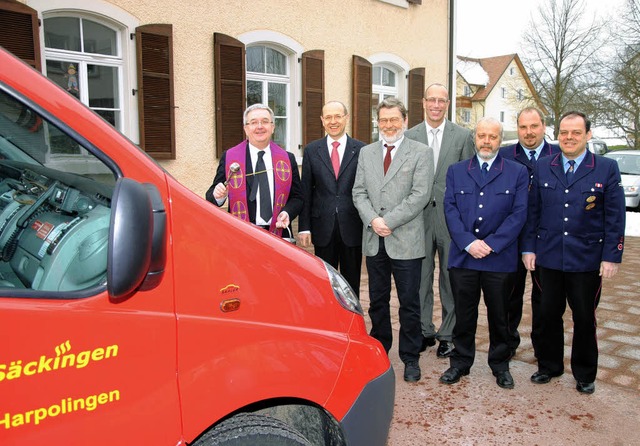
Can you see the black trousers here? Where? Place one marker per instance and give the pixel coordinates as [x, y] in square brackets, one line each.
[496, 288]
[516, 302]
[346, 259]
[582, 291]
[406, 274]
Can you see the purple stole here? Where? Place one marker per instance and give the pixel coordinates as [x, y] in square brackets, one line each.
[238, 187]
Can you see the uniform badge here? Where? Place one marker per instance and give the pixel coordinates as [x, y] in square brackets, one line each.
[591, 199]
[590, 206]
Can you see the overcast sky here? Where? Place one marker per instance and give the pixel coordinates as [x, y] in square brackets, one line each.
[493, 27]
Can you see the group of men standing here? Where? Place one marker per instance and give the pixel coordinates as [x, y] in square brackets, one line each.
[438, 189]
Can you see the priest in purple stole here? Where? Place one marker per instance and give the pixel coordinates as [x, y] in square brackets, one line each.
[260, 179]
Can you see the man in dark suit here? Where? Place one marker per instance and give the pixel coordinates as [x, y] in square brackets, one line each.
[575, 237]
[450, 143]
[392, 187]
[530, 148]
[485, 205]
[260, 178]
[329, 219]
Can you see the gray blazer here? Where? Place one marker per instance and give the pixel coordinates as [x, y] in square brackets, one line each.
[456, 145]
[399, 197]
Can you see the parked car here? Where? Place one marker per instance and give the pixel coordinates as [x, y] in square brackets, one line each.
[134, 312]
[629, 165]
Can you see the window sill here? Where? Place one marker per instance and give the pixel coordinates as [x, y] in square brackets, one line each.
[400, 3]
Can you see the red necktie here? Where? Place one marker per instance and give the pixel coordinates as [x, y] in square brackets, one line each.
[335, 158]
[387, 158]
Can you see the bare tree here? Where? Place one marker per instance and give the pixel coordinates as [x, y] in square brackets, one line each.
[560, 53]
[622, 98]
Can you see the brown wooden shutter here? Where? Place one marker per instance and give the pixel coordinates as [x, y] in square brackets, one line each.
[362, 95]
[416, 91]
[312, 95]
[19, 32]
[154, 49]
[231, 91]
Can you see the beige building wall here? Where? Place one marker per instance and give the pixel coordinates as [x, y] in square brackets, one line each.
[416, 34]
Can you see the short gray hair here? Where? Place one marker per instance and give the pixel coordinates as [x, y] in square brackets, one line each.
[392, 103]
[257, 107]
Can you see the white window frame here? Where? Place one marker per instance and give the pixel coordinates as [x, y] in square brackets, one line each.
[109, 15]
[401, 69]
[401, 3]
[466, 116]
[467, 90]
[293, 52]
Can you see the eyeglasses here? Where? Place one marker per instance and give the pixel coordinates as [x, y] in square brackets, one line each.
[330, 118]
[256, 123]
[438, 101]
[385, 121]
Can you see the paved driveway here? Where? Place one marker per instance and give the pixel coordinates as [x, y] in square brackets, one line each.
[477, 412]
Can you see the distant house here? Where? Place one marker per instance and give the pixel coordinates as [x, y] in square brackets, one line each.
[497, 87]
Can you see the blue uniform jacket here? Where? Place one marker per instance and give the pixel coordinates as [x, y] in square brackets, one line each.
[518, 153]
[573, 227]
[493, 210]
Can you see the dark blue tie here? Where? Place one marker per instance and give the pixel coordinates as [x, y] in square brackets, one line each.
[484, 170]
[570, 170]
[532, 156]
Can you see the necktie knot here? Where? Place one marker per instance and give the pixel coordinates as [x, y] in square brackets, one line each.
[532, 156]
[485, 167]
[335, 158]
[570, 170]
[387, 157]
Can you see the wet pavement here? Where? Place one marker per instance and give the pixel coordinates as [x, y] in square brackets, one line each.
[476, 411]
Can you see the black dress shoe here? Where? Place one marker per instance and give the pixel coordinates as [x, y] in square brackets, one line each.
[543, 378]
[504, 379]
[427, 341]
[411, 371]
[583, 387]
[453, 375]
[444, 349]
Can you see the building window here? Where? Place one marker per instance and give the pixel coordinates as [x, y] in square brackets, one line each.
[83, 57]
[466, 116]
[268, 82]
[503, 92]
[520, 94]
[502, 116]
[385, 85]
[467, 90]
[512, 71]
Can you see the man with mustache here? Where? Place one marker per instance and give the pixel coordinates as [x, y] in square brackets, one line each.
[530, 148]
[392, 187]
[485, 205]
